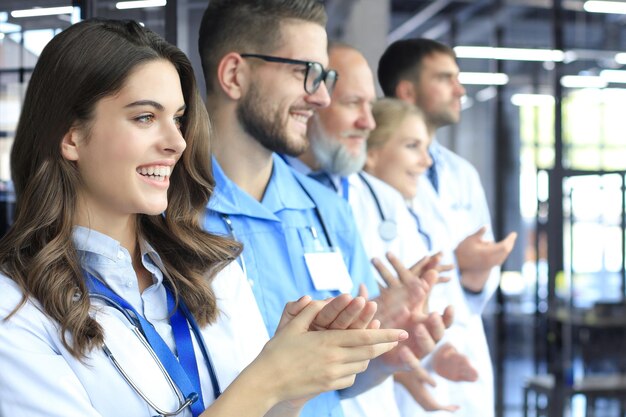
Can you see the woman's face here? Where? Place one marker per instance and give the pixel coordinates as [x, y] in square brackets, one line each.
[403, 157]
[128, 150]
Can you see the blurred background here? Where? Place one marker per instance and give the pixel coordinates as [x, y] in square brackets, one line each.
[542, 121]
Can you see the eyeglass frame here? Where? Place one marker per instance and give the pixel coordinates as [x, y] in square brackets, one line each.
[308, 64]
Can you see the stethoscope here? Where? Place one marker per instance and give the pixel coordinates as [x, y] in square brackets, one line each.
[100, 291]
[387, 229]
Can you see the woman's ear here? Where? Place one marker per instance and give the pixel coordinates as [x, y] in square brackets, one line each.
[371, 162]
[70, 143]
[232, 75]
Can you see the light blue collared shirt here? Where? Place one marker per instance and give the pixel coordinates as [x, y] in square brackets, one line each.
[275, 233]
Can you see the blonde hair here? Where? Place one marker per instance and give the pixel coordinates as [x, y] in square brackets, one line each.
[389, 113]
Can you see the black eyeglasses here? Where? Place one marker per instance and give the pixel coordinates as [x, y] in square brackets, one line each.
[315, 72]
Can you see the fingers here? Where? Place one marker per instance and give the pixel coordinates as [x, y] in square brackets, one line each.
[434, 261]
[385, 274]
[418, 391]
[303, 321]
[443, 280]
[292, 309]
[448, 316]
[363, 291]
[374, 324]
[506, 244]
[420, 265]
[421, 342]
[411, 363]
[430, 277]
[333, 310]
[367, 337]
[404, 275]
[444, 268]
[364, 320]
[435, 326]
[452, 365]
[350, 314]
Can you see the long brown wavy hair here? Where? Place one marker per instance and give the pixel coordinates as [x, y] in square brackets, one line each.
[81, 65]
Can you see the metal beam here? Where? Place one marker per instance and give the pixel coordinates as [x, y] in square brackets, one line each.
[417, 20]
[338, 12]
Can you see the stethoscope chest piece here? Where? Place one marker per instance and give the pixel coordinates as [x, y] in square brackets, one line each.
[388, 230]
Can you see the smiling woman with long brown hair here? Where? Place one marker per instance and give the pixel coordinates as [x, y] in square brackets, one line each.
[108, 282]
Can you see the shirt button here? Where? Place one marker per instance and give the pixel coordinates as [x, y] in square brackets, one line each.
[130, 284]
[120, 255]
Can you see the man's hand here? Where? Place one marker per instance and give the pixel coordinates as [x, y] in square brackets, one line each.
[403, 304]
[417, 388]
[452, 365]
[476, 257]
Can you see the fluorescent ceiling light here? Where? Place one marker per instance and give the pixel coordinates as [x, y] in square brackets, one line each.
[466, 102]
[42, 11]
[583, 81]
[616, 7]
[487, 94]
[613, 76]
[483, 78]
[512, 54]
[620, 58]
[139, 4]
[532, 99]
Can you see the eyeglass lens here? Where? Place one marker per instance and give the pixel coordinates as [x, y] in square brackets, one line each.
[315, 75]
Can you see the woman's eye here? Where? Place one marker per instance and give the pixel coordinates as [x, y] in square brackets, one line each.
[145, 118]
[178, 120]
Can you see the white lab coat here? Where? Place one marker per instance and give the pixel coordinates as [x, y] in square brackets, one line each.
[459, 210]
[38, 376]
[408, 246]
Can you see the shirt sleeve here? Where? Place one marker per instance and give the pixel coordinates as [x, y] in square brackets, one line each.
[480, 211]
[35, 378]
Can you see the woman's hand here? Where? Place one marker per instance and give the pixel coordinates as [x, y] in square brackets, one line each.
[318, 348]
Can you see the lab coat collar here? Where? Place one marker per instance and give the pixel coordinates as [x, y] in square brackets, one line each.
[436, 153]
[283, 192]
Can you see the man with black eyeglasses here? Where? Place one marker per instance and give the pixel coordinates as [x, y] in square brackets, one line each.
[264, 67]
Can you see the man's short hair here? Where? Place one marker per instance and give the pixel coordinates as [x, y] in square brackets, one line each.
[403, 60]
[248, 26]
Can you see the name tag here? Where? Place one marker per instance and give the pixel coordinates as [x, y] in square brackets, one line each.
[328, 271]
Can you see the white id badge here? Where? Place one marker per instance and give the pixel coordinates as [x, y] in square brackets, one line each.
[328, 271]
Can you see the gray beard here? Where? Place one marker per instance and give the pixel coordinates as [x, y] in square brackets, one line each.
[333, 157]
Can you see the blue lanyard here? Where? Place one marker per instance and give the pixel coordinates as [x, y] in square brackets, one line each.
[425, 236]
[185, 372]
[345, 187]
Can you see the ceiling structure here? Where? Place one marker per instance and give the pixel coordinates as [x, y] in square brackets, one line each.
[592, 39]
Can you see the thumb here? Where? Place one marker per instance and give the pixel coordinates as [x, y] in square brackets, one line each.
[511, 238]
[479, 233]
[291, 310]
[448, 316]
[303, 320]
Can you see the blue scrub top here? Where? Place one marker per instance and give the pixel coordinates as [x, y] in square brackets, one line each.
[275, 233]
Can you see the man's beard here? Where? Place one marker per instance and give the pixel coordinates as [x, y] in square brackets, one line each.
[267, 129]
[333, 156]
